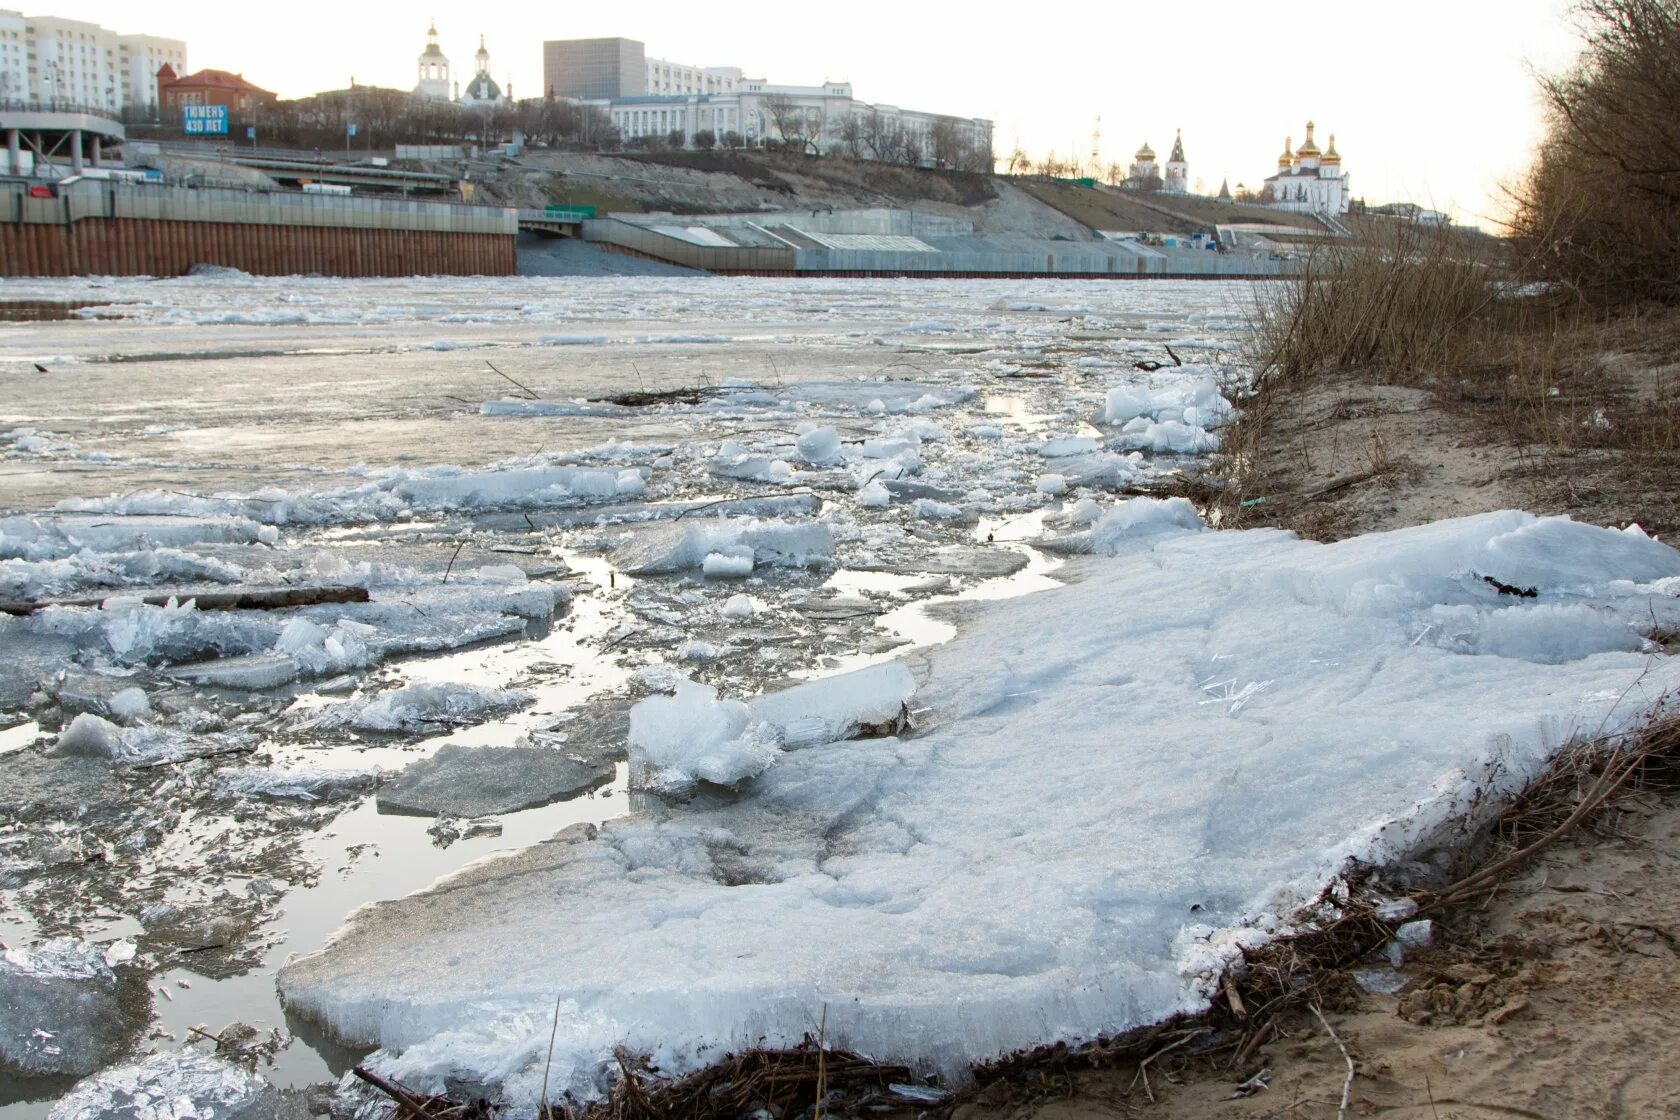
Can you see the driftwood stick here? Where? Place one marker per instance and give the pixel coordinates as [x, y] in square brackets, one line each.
[410, 1103]
[249, 599]
[530, 392]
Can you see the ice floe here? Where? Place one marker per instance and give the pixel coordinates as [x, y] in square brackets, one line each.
[1077, 837]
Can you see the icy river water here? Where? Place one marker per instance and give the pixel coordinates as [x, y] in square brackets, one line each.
[161, 399]
[471, 677]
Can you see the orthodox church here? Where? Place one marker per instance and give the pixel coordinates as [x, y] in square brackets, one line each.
[1309, 180]
[483, 91]
[434, 70]
[1145, 172]
[435, 83]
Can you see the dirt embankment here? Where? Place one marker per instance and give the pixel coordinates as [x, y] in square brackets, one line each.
[772, 182]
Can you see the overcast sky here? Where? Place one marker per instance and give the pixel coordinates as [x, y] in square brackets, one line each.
[1430, 100]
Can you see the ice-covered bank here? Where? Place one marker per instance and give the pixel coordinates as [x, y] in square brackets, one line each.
[1111, 787]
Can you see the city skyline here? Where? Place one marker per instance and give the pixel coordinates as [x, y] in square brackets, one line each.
[1437, 108]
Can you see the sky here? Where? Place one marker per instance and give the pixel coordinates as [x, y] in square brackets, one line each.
[1431, 101]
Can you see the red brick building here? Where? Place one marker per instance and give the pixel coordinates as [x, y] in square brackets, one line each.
[210, 87]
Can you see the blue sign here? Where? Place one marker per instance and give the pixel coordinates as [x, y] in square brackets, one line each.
[204, 120]
[251, 132]
[350, 130]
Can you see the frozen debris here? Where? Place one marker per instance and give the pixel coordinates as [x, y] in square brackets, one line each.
[533, 482]
[929, 509]
[88, 736]
[957, 560]
[289, 784]
[819, 447]
[662, 549]
[319, 650]
[130, 704]
[50, 537]
[873, 699]
[894, 397]
[696, 649]
[775, 505]
[421, 707]
[693, 736]
[1126, 524]
[252, 672]
[1052, 484]
[738, 607]
[1193, 402]
[185, 1085]
[1416, 935]
[473, 782]
[59, 1008]
[734, 564]
[875, 495]
[1082, 779]
[1379, 981]
[446, 830]
[1063, 446]
[736, 462]
[1165, 437]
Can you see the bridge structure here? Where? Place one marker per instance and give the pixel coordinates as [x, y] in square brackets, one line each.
[556, 221]
[46, 136]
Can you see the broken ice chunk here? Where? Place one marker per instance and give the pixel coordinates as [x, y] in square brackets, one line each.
[819, 447]
[425, 707]
[185, 1085]
[693, 736]
[838, 707]
[476, 782]
[661, 549]
[737, 563]
[59, 1008]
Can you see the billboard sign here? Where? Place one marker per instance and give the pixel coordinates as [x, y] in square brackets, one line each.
[204, 120]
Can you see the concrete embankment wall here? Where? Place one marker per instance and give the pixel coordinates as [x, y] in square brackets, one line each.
[971, 256]
[123, 229]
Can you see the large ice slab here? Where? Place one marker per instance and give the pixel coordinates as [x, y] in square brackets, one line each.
[1113, 784]
[59, 1009]
[462, 781]
[179, 1086]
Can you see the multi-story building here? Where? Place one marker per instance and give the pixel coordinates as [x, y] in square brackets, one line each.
[14, 56]
[593, 69]
[656, 98]
[73, 62]
[52, 60]
[141, 57]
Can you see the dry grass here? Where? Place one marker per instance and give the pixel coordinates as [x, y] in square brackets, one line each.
[1403, 298]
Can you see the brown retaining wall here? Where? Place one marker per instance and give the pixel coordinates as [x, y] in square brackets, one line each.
[156, 247]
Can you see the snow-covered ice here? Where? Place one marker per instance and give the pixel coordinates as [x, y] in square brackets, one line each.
[1081, 832]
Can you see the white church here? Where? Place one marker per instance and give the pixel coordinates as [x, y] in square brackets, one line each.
[435, 83]
[1145, 173]
[1309, 180]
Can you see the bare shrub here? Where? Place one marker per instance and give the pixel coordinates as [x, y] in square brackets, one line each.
[1600, 209]
[1397, 299]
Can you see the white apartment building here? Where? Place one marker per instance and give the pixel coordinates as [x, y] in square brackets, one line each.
[142, 57]
[49, 59]
[14, 56]
[666, 78]
[828, 116]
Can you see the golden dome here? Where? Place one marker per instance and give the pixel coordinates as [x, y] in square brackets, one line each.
[1308, 148]
[1145, 153]
[1288, 156]
[1330, 153]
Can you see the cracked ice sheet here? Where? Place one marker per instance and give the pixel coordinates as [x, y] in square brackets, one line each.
[1220, 721]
